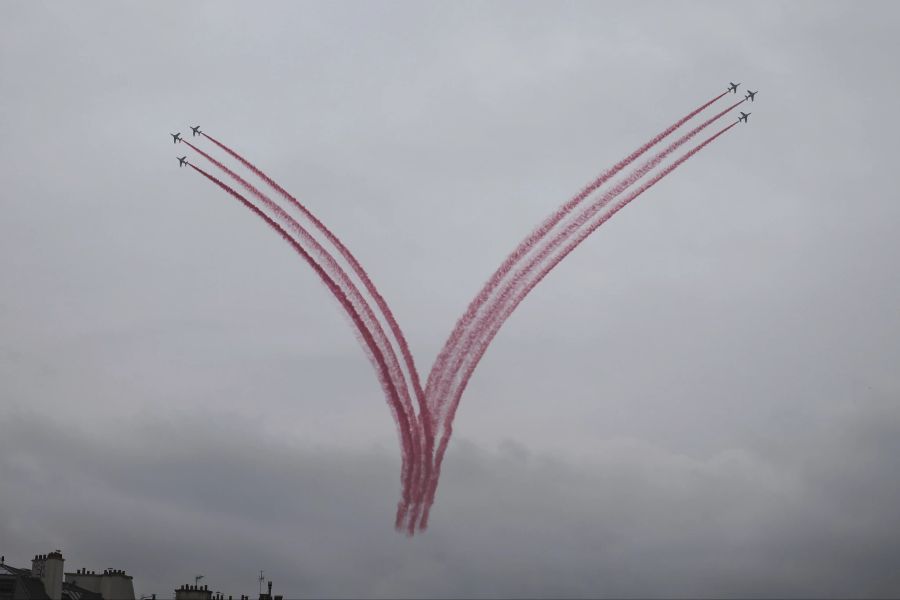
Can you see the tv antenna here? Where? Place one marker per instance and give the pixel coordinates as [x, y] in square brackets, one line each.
[261, 579]
[197, 579]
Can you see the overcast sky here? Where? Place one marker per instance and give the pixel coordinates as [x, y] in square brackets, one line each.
[703, 399]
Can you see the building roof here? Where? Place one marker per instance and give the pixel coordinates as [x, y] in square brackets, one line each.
[32, 588]
[6, 569]
[26, 586]
[73, 592]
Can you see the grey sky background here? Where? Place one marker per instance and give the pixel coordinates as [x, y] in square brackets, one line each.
[702, 399]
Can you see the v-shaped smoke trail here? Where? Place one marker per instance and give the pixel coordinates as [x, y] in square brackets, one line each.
[475, 329]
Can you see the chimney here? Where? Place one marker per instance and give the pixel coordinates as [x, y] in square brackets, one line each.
[51, 574]
[116, 583]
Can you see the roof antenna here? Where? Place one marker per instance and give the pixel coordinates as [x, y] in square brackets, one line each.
[197, 579]
[261, 579]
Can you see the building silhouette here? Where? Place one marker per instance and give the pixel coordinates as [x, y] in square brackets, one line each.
[202, 592]
[47, 580]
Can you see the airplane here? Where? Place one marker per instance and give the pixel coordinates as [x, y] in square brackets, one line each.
[182, 161]
[195, 130]
[733, 87]
[743, 117]
[176, 137]
[751, 96]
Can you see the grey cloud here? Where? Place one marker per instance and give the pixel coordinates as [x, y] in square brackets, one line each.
[632, 520]
[701, 400]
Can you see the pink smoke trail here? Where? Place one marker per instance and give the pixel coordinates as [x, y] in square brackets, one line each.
[498, 323]
[439, 369]
[372, 349]
[336, 272]
[495, 307]
[344, 251]
[426, 427]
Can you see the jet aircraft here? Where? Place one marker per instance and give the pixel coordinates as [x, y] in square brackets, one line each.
[195, 130]
[751, 96]
[744, 116]
[733, 87]
[176, 137]
[182, 161]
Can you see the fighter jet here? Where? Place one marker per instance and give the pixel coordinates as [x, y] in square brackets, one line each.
[182, 161]
[743, 117]
[732, 88]
[751, 96]
[176, 137]
[195, 130]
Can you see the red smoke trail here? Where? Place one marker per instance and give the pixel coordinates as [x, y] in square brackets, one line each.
[336, 272]
[367, 282]
[498, 323]
[372, 348]
[439, 370]
[495, 307]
